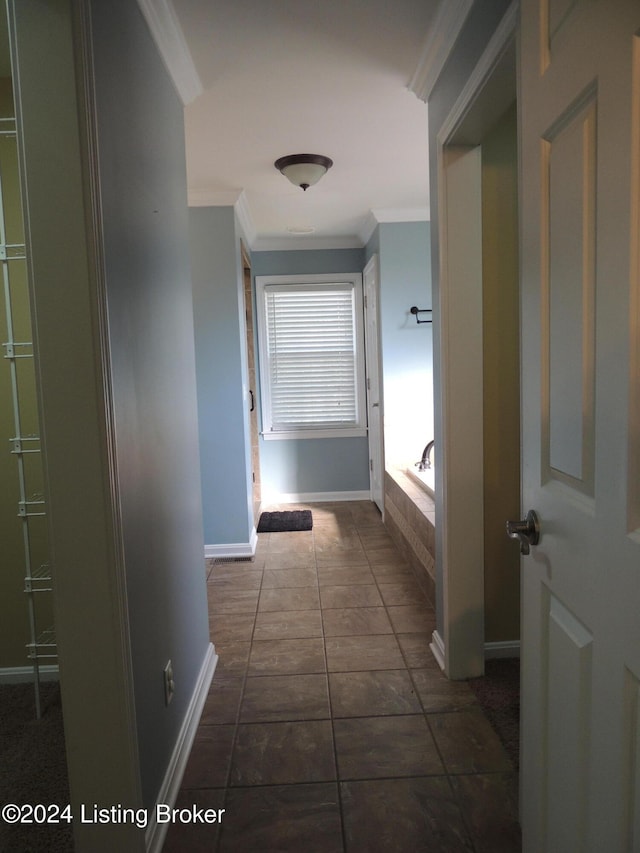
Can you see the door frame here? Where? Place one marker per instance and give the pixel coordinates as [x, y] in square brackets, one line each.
[65, 256]
[252, 382]
[374, 384]
[458, 641]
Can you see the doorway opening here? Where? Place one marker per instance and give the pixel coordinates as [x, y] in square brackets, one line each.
[479, 392]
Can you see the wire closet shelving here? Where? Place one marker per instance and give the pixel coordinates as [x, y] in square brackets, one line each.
[24, 447]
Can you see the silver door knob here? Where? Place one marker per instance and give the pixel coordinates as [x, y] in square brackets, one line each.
[527, 531]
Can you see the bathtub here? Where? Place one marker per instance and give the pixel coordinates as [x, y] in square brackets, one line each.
[425, 479]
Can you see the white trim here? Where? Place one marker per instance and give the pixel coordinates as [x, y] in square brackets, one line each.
[468, 655]
[374, 374]
[296, 242]
[210, 197]
[502, 649]
[295, 434]
[24, 674]
[69, 247]
[460, 403]
[483, 70]
[238, 549]
[391, 214]
[438, 44]
[314, 497]
[155, 832]
[437, 649]
[167, 33]
[492, 651]
[401, 214]
[349, 283]
[368, 227]
[244, 218]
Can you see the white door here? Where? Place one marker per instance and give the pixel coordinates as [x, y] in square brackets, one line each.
[374, 391]
[580, 206]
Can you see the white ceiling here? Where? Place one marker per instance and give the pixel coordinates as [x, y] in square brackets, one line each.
[301, 76]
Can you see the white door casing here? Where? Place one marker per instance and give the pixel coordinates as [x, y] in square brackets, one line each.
[458, 643]
[52, 70]
[460, 190]
[580, 202]
[371, 280]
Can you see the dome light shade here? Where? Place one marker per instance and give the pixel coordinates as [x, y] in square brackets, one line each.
[303, 170]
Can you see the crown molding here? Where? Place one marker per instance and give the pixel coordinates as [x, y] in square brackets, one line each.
[401, 214]
[379, 215]
[295, 243]
[438, 45]
[167, 33]
[368, 227]
[244, 218]
[238, 200]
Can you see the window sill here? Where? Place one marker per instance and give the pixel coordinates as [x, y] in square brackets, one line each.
[351, 432]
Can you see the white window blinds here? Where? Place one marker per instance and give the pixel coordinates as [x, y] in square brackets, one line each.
[311, 364]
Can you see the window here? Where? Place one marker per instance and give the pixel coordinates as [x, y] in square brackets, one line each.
[310, 338]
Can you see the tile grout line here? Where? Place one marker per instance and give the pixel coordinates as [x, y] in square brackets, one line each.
[404, 667]
[236, 732]
[333, 733]
[424, 713]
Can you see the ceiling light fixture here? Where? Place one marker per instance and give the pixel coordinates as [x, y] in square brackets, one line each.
[303, 170]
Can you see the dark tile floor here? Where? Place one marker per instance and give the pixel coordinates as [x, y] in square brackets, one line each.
[329, 726]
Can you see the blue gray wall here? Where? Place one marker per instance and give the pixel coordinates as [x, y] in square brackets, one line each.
[144, 209]
[404, 254]
[295, 466]
[220, 334]
[300, 466]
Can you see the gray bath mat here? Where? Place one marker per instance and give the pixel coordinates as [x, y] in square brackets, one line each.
[281, 522]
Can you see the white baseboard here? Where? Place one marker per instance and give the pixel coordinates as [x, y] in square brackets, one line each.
[314, 497]
[502, 649]
[437, 649]
[156, 832]
[23, 674]
[233, 549]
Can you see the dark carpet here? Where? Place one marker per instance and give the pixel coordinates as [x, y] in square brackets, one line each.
[288, 520]
[33, 767]
[498, 692]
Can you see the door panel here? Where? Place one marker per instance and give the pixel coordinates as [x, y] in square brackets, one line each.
[568, 238]
[568, 724]
[558, 12]
[580, 215]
